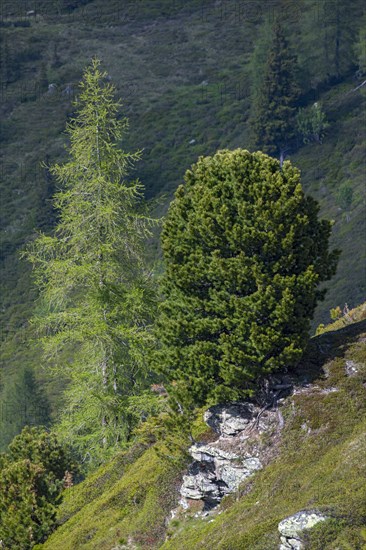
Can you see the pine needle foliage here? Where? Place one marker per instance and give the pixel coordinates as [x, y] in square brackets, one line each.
[97, 296]
[245, 253]
[31, 485]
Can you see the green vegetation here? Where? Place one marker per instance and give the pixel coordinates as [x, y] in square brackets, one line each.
[193, 76]
[32, 477]
[244, 252]
[127, 499]
[326, 44]
[360, 48]
[312, 123]
[321, 465]
[200, 92]
[274, 106]
[97, 298]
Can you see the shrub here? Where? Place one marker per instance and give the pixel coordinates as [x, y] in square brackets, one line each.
[312, 123]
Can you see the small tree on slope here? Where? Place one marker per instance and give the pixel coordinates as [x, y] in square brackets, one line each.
[97, 295]
[244, 252]
[274, 105]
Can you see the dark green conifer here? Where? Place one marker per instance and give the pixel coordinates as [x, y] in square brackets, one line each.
[244, 253]
[31, 482]
[273, 118]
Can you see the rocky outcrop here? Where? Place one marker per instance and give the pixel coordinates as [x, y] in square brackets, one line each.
[218, 468]
[291, 528]
[229, 420]
[215, 473]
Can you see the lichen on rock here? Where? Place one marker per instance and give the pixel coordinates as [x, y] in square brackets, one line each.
[292, 527]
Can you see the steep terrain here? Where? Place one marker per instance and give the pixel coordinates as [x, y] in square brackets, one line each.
[314, 460]
[183, 72]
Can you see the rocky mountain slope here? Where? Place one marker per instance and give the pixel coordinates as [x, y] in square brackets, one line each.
[292, 460]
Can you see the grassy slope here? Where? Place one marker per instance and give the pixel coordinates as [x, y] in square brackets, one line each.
[117, 502]
[320, 465]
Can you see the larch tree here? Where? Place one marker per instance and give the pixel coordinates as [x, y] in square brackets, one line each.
[97, 297]
[244, 252]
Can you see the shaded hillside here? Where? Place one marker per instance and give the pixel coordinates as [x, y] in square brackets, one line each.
[184, 73]
[319, 465]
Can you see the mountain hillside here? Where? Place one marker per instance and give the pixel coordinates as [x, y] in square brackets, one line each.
[186, 72]
[183, 72]
[315, 462]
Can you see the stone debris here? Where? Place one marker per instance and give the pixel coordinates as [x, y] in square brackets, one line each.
[220, 467]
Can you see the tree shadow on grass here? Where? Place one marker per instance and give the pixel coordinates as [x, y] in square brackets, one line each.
[326, 347]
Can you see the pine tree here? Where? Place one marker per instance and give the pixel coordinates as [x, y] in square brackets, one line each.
[31, 482]
[23, 402]
[97, 295]
[274, 104]
[258, 58]
[360, 48]
[244, 252]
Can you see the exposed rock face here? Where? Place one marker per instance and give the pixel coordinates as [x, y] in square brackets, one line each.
[229, 420]
[291, 528]
[216, 473]
[219, 467]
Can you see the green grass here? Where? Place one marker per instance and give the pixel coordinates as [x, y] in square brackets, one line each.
[130, 497]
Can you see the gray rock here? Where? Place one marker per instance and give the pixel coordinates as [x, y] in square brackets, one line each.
[51, 89]
[216, 473]
[291, 528]
[206, 453]
[295, 544]
[229, 419]
[200, 483]
[351, 368]
[216, 470]
[232, 475]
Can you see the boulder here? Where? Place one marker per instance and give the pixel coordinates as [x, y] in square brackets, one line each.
[218, 468]
[207, 453]
[215, 472]
[291, 528]
[200, 483]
